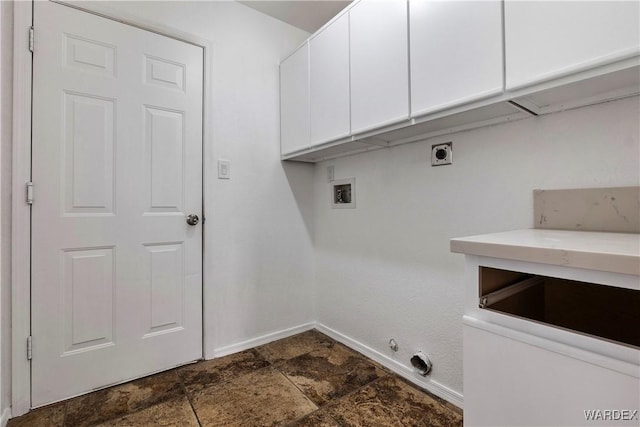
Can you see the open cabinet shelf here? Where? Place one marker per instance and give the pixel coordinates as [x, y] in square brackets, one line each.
[607, 312]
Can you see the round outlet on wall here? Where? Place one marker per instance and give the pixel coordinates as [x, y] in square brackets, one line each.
[441, 154]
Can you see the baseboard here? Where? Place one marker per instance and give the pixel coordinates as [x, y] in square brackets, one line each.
[4, 419]
[405, 372]
[261, 340]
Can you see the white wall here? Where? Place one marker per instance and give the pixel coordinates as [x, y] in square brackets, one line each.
[258, 232]
[6, 64]
[384, 270]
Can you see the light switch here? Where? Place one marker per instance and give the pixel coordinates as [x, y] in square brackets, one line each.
[330, 173]
[224, 169]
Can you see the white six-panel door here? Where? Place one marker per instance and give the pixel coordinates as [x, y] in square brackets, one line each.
[117, 143]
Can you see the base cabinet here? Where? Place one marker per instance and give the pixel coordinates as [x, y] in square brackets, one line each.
[511, 383]
[550, 343]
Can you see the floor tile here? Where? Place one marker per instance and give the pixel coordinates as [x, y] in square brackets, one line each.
[329, 373]
[316, 419]
[279, 384]
[52, 415]
[392, 402]
[203, 374]
[120, 400]
[262, 398]
[176, 412]
[294, 346]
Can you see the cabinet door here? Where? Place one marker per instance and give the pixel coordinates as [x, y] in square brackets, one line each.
[456, 53]
[545, 40]
[294, 101]
[379, 64]
[507, 380]
[329, 82]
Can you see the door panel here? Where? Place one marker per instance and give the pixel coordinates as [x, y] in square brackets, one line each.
[117, 143]
[166, 283]
[88, 287]
[89, 149]
[164, 158]
[89, 55]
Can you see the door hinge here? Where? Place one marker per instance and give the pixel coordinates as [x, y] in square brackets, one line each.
[31, 37]
[29, 347]
[29, 193]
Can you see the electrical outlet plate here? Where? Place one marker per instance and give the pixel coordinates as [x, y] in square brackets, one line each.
[441, 154]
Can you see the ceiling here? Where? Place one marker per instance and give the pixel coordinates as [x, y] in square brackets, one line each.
[308, 15]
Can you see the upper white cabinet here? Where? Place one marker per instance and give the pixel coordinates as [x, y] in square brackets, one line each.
[456, 53]
[329, 82]
[294, 101]
[379, 64]
[388, 72]
[549, 39]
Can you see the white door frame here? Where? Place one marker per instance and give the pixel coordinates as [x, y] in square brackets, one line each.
[21, 174]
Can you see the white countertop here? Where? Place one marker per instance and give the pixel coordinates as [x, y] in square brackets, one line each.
[613, 252]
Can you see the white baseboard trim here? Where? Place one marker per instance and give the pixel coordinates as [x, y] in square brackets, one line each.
[4, 419]
[432, 386]
[261, 340]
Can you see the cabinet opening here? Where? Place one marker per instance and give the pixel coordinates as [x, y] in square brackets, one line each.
[607, 312]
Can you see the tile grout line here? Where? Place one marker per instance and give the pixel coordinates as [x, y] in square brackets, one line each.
[440, 401]
[277, 365]
[223, 382]
[140, 409]
[301, 392]
[66, 410]
[332, 401]
[188, 396]
[68, 402]
[271, 365]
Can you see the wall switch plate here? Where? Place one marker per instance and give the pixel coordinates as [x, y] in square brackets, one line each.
[224, 169]
[330, 173]
[441, 154]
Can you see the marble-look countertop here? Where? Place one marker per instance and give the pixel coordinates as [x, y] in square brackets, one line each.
[612, 252]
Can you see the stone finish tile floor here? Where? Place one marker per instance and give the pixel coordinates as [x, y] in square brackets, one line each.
[304, 380]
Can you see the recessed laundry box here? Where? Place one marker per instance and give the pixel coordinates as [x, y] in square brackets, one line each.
[607, 312]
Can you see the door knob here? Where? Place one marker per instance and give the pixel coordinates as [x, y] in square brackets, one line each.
[192, 219]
